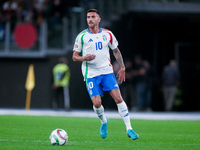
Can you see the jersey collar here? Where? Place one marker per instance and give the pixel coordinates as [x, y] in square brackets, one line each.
[100, 30]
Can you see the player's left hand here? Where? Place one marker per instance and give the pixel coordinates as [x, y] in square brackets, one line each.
[121, 75]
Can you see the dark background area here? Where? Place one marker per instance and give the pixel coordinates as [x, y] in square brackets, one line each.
[153, 35]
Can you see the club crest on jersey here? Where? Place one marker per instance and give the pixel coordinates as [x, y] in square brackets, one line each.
[90, 92]
[104, 37]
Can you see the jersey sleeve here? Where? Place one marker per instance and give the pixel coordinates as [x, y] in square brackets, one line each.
[78, 43]
[113, 41]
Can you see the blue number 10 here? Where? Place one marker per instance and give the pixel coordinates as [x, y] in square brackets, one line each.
[99, 46]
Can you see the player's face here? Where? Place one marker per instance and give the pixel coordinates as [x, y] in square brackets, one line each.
[93, 19]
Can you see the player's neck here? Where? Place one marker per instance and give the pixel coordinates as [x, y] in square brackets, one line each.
[94, 30]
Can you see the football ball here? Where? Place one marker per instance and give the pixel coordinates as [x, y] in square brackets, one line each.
[58, 137]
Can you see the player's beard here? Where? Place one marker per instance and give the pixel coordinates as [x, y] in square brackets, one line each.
[91, 24]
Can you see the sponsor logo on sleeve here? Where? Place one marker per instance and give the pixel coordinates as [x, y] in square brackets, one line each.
[75, 46]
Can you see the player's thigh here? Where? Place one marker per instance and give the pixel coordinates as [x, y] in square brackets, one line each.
[93, 87]
[116, 95]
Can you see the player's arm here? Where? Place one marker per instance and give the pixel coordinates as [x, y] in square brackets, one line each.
[77, 57]
[121, 72]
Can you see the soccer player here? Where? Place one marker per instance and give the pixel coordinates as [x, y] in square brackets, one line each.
[94, 43]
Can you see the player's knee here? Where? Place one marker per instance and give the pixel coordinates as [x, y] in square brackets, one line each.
[97, 104]
[118, 100]
[96, 100]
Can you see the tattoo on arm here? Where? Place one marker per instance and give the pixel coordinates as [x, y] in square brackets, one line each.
[118, 57]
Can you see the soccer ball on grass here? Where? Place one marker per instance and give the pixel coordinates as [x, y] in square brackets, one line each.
[58, 137]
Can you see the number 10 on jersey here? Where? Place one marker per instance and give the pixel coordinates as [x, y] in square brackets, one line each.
[99, 45]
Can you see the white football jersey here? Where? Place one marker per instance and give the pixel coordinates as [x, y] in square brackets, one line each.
[97, 44]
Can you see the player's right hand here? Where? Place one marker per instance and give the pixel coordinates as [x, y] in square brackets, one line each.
[89, 57]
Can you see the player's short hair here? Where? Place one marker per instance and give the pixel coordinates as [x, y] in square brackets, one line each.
[93, 10]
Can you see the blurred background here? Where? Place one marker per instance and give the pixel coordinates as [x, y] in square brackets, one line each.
[38, 32]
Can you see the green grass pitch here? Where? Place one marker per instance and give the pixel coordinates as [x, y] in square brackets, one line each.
[32, 133]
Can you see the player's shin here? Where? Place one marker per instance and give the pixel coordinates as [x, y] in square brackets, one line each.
[123, 111]
[100, 113]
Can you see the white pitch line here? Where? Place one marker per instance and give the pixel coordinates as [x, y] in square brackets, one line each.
[191, 116]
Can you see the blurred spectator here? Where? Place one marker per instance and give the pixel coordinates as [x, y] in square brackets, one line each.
[56, 12]
[9, 10]
[20, 12]
[128, 87]
[141, 84]
[170, 79]
[61, 76]
[29, 16]
[38, 13]
[149, 77]
[35, 12]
